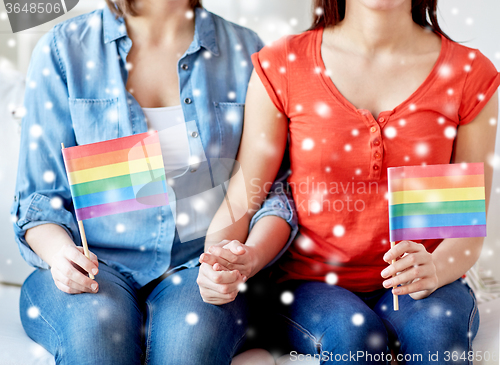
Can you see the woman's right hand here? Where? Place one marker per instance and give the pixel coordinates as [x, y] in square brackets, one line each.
[70, 268]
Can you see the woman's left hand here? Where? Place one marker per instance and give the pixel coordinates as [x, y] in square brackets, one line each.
[233, 255]
[418, 276]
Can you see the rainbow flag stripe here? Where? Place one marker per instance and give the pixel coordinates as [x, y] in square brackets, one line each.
[116, 176]
[436, 201]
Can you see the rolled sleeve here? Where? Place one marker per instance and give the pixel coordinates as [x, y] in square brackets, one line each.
[42, 191]
[279, 203]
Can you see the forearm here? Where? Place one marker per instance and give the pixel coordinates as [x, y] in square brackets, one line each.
[454, 257]
[47, 239]
[268, 237]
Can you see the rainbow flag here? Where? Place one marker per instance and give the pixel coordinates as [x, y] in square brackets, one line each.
[436, 201]
[116, 176]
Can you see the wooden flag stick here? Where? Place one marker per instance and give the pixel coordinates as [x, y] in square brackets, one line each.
[83, 237]
[394, 296]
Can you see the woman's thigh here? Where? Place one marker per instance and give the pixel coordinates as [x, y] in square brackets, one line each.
[182, 329]
[332, 323]
[101, 328]
[443, 324]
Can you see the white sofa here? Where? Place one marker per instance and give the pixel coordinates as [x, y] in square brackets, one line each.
[16, 348]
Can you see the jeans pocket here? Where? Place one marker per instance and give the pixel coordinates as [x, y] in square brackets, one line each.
[94, 120]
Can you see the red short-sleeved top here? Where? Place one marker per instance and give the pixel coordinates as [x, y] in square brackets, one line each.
[340, 154]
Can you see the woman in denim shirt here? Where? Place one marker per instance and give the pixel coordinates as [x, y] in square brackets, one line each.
[89, 80]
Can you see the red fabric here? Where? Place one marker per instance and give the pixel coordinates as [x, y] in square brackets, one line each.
[340, 155]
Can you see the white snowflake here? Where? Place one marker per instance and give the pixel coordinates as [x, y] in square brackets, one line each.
[469, 21]
[441, 120]
[292, 57]
[3, 15]
[318, 11]
[45, 72]
[113, 116]
[299, 107]
[355, 132]
[11, 43]
[450, 132]
[454, 11]
[72, 26]
[307, 144]
[242, 287]
[402, 122]
[48, 105]
[56, 202]
[331, 278]
[176, 279]
[445, 71]
[120, 228]
[182, 219]
[231, 95]
[390, 132]
[189, 14]
[32, 84]
[36, 131]
[322, 109]
[207, 55]
[338, 230]
[90, 64]
[294, 22]
[49, 176]
[422, 149]
[314, 207]
[358, 319]
[192, 318]
[493, 121]
[287, 297]
[33, 146]
[33, 312]
[348, 148]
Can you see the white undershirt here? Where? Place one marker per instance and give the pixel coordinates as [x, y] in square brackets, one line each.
[172, 132]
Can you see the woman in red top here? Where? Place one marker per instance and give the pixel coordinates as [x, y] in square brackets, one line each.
[372, 85]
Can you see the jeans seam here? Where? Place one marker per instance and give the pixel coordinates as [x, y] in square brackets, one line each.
[471, 320]
[53, 329]
[148, 331]
[236, 346]
[303, 330]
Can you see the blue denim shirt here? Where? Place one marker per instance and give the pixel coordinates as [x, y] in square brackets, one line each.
[76, 95]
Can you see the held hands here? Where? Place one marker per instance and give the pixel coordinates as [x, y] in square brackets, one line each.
[417, 271]
[70, 268]
[223, 269]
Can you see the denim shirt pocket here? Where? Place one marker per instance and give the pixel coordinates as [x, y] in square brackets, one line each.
[230, 120]
[94, 120]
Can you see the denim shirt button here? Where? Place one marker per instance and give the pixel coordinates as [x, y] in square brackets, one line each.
[193, 170]
[184, 66]
[188, 101]
[194, 134]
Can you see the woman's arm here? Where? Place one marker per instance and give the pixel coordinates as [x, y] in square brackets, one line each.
[261, 151]
[454, 256]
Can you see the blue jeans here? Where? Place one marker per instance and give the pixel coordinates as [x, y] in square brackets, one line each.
[334, 324]
[121, 325]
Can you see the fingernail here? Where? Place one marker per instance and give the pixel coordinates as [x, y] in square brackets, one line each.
[94, 271]
[210, 249]
[386, 257]
[396, 291]
[245, 279]
[202, 256]
[94, 287]
[385, 272]
[387, 283]
[239, 249]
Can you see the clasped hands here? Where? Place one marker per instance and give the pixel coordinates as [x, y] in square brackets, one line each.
[224, 268]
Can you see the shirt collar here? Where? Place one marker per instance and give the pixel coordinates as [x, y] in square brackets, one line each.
[204, 33]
